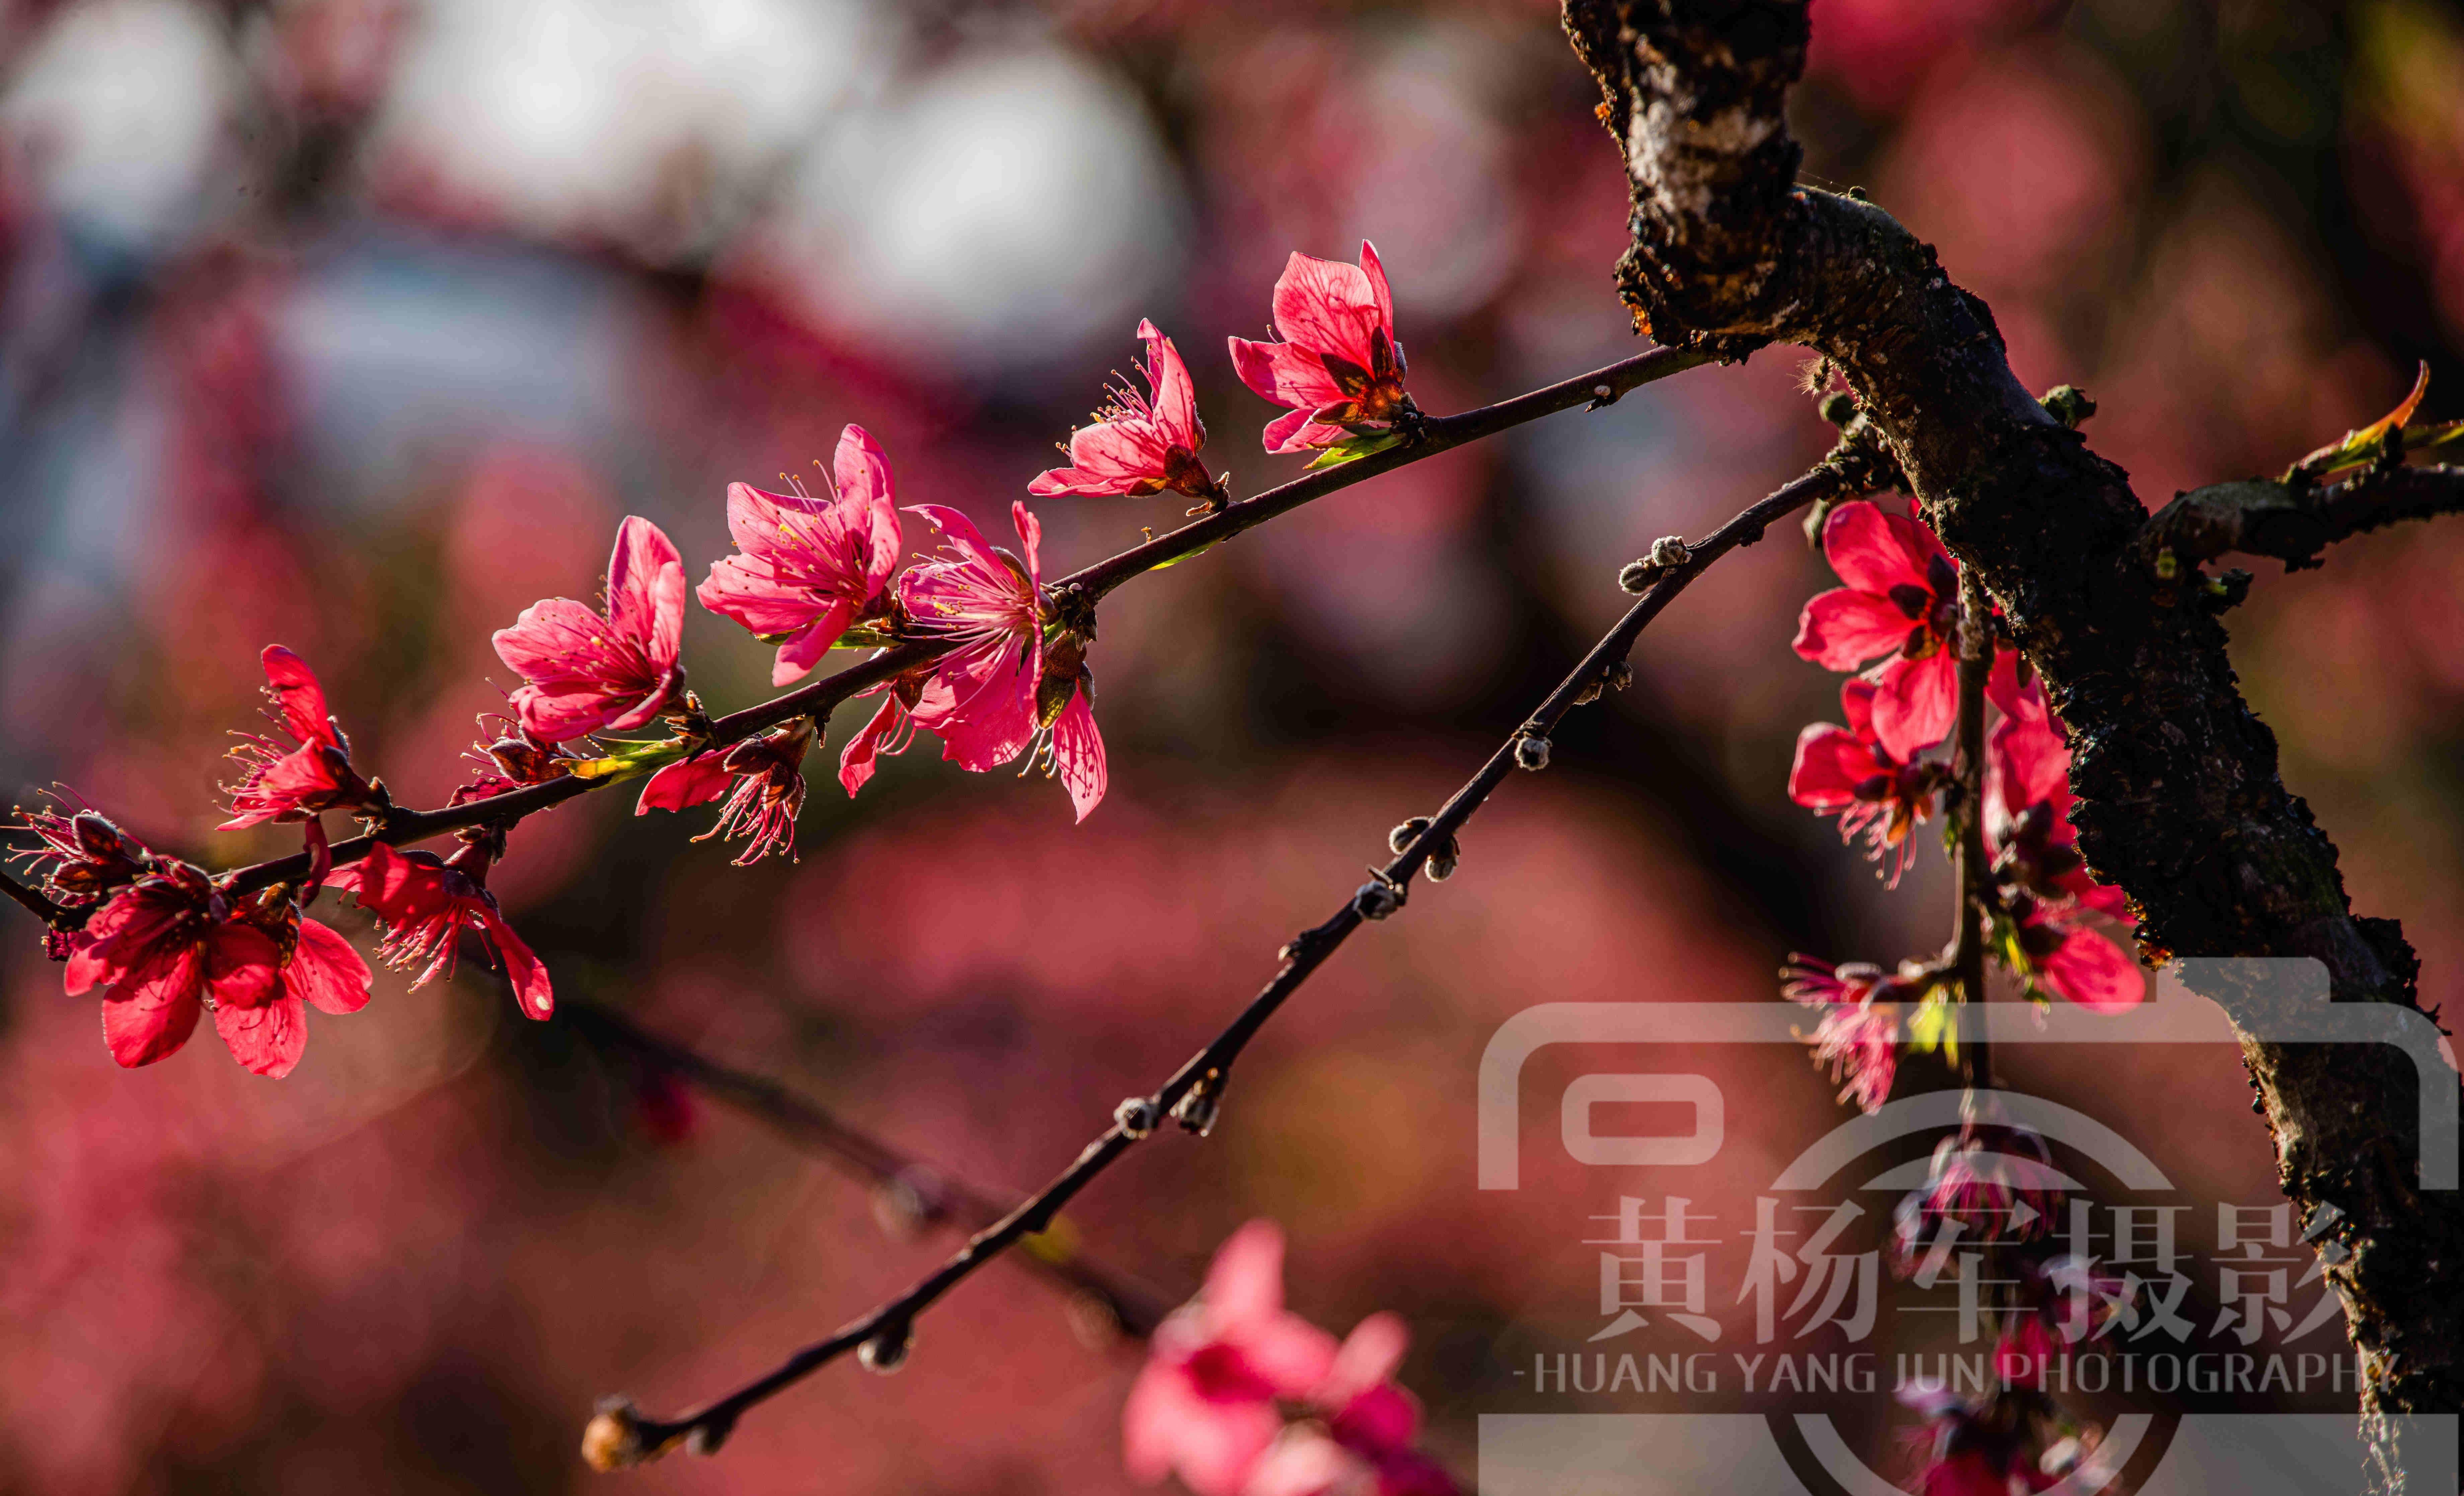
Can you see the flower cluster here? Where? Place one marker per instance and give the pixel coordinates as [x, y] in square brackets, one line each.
[1243, 1397]
[1007, 678]
[1888, 768]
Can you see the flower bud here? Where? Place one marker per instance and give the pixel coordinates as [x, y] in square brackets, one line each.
[1668, 551]
[1196, 1112]
[1531, 753]
[1135, 1116]
[614, 1440]
[887, 1351]
[1839, 407]
[1377, 900]
[1444, 862]
[98, 836]
[1403, 835]
[1636, 576]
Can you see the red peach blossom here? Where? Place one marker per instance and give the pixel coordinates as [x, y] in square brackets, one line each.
[583, 672]
[1901, 601]
[169, 946]
[426, 903]
[1338, 366]
[806, 568]
[294, 783]
[767, 776]
[2028, 804]
[84, 856]
[1858, 1034]
[1205, 1405]
[1847, 773]
[1139, 445]
[2076, 964]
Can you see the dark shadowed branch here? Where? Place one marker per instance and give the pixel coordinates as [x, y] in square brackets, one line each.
[2292, 522]
[926, 1196]
[2179, 798]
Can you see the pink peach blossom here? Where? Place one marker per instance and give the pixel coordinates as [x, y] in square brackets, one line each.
[1011, 682]
[806, 568]
[763, 779]
[426, 903]
[1901, 601]
[294, 783]
[583, 672]
[1139, 445]
[1205, 1405]
[1338, 366]
[1846, 772]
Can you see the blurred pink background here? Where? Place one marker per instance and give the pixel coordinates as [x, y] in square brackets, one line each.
[356, 325]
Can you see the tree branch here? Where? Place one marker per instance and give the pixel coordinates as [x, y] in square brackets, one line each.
[1600, 388]
[938, 1200]
[1971, 874]
[621, 1437]
[2179, 796]
[2295, 523]
[31, 900]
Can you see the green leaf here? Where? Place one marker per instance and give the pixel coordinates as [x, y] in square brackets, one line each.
[1353, 449]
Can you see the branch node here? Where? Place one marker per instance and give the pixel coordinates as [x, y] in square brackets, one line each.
[1136, 1117]
[888, 1350]
[1530, 751]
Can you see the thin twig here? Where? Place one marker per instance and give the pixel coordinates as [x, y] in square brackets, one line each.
[935, 1199]
[1969, 871]
[1600, 387]
[885, 1332]
[34, 901]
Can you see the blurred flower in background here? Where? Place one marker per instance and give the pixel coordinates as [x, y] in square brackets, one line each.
[358, 324]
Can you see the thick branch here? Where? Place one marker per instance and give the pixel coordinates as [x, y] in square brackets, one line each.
[2179, 798]
[621, 1437]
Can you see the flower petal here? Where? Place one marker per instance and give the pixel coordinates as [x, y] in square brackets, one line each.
[685, 783]
[532, 992]
[645, 591]
[1916, 704]
[1328, 307]
[302, 700]
[867, 504]
[1875, 552]
[1078, 754]
[1831, 762]
[880, 735]
[325, 971]
[268, 1040]
[2093, 971]
[1843, 627]
[140, 1029]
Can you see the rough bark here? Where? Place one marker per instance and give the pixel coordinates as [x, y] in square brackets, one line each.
[2180, 801]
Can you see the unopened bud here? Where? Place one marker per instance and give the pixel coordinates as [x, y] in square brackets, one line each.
[614, 1440]
[98, 836]
[1135, 1116]
[1531, 753]
[1377, 900]
[1619, 675]
[1404, 835]
[1442, 861]
[1636, 576]
[887, 1351]
[1196, 1112]
[1839, 407]
[1668, 551]
[908, 1203]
